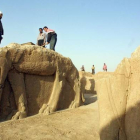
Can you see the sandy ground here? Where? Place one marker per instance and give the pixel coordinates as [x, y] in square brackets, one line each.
[76, 124]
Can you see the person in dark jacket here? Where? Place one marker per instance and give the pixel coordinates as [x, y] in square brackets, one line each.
[51, 37]
[82, 68]
[1, 27]
[93, 69]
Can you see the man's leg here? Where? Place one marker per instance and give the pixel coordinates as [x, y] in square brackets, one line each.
[53, 42]
[0, 39]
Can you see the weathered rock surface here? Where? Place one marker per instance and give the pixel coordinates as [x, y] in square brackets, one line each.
[119, 100]
[36, 80]
[87, 82]
[81, 123]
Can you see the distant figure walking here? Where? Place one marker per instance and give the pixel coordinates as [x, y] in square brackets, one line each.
[105, 67]
[1, 27]
[82, 68]
[41, 39]
[93, 69]
[51, 37]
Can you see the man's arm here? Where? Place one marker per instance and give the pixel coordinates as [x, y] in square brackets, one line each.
[48, 38]
[45, 38]
[1, 29]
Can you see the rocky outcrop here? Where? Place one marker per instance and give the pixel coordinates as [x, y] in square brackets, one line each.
[87, 82]
[119, 100]
[36, 80]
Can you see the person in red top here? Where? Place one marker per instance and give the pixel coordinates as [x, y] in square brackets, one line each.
[51, 37]
[105, 67]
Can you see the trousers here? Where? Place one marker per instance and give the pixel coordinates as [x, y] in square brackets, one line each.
[53, 42]
[0, 39]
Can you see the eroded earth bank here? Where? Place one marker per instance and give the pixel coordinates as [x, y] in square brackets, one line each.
[44, 97]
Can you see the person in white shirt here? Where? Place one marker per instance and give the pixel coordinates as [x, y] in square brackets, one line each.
[41, 39]
[51, 37]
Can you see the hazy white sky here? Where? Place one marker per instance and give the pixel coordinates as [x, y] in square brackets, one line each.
[89, 32]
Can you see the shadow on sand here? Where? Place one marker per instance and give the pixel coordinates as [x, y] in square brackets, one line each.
[90, 98]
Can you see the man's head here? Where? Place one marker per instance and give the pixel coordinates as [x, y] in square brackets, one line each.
[45, 28]
[40, 30]
[1, 14]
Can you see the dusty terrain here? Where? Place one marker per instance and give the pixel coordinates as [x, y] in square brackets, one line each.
[74, 124]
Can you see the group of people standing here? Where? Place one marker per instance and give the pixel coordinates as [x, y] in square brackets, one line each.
[93, 68]
[42, 39]
[45, 39]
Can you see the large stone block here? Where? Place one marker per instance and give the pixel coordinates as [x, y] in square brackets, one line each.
[119, 100]
[35, 80]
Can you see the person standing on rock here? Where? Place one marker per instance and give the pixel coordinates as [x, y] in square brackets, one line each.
[105, 67]
[82, 68]
[51, 37]
[41, 39]
[93, 69]
[1, 27]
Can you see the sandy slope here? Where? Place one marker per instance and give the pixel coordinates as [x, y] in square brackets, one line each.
[75, 124]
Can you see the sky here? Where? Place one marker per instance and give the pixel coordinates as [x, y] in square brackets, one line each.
[89, 32]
